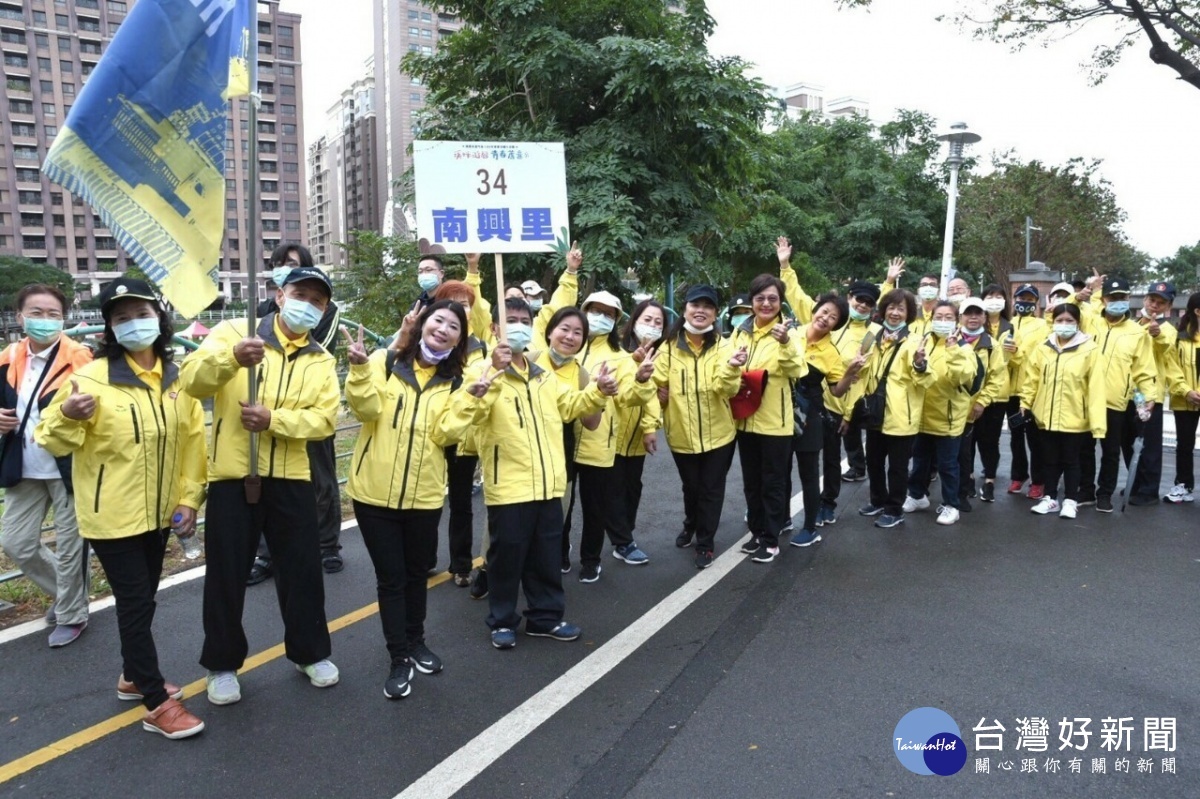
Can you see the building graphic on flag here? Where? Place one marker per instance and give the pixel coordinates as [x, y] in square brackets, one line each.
[145, 142]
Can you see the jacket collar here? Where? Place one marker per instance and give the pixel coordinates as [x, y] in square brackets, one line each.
[681, 341]
[534, 369]
[120, 374]
[266, 331]
[404, 371]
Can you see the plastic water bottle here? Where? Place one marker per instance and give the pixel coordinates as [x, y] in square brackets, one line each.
[1139, 404]
[190, 542]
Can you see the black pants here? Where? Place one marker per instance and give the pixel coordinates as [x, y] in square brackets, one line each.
[831, 463]
[461, 527]
[887, 469]
[853, 442]
[322, 464]
[628, 498]
[399, 542]
[1149, 469]
[286, 516]
[703, 479]
[132, 566]
[1061, 454]
[808, 464]
[766, 472]
[1121, 425]
[966, 463]
[569, 502]
[987, 437]
[1185, 445]
[525, 553]
[1027, 467]
[598, 487]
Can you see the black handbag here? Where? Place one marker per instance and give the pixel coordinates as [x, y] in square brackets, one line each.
[868, 411]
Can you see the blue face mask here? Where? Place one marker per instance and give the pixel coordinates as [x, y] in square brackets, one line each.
[1117, 308]
[136, 335]
[890, 328]
[599, 324]
[300, 316]
[280, 273]
[43, 331]
[859, 317]
[519, 336]
[738, 319]
[428, 281]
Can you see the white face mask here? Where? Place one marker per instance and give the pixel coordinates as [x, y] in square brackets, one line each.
[1065, 331]
[696, 331]
[942, 328]
[957, 299]
[535, 305]
[993, 305]
[599, 324]
[646, 333]
[927, 293]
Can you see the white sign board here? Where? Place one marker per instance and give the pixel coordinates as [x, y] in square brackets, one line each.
[491, 197]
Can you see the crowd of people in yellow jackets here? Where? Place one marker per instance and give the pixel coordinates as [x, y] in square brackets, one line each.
[558, 400]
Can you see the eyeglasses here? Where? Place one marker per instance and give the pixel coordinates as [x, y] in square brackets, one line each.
[769, 300]
[867, 301]
[427, 270]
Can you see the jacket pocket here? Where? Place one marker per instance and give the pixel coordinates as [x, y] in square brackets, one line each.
[361, 460]
[216, 439]
[137, 432]
[399, 407]
[495, 464]
[99, 484]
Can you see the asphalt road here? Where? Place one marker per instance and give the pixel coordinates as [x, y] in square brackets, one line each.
[784, 679]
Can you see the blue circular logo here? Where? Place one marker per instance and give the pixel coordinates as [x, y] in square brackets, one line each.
[928, 741]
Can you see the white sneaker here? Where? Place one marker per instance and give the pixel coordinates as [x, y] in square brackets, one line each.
[1069, 507]
[223, 687]
[1048, 505]
[1179, 494]
[321, 674]
[911, 504]
[947, 515]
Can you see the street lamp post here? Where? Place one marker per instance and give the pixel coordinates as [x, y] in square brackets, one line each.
[957, 138]
[1029, 228]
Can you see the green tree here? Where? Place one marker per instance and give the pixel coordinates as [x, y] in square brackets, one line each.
[1182, 269]
[1171, 27]
[848, 195]
[659, 134]
[1077, 212]
[16, 272]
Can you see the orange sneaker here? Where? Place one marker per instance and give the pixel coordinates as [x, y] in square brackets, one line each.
[172, 720]
[129, 692]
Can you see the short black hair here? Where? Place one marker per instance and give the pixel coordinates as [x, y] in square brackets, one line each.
[511, 304]
[279, 254]
[40, 288]
[433, 257]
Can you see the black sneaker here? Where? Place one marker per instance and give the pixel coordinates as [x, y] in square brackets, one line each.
[751, 545]
[479, 587]
[1104, 504]
[1086, 498]
[589, 574]
[764, 554]
[988, 492]
[684, 539]
[964, 506]
[399, 682]
[853, 476]
[870, 510]
[971, 492]
[424, 659]
[704, 558]
[332, 563]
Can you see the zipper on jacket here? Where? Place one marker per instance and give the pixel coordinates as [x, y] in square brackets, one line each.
[216, 439]
[412, 430]
[137, 433]
[495, 464]
[537, 437]
[636, 427]
[396, 414]
[362, 459]
[160, 425]
[521, 416]
[99, 482]
[699, 415]
[1053, 392]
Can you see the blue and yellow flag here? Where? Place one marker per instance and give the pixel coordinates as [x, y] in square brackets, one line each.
[144, 144]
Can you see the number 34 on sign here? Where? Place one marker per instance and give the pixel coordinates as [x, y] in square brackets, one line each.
[491, 197]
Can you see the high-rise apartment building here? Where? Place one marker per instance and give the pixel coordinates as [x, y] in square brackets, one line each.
[50, 47]
[343, 190]
[401, 27]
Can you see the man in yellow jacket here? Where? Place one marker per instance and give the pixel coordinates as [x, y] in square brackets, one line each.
[1156, 309]
[1127, 364]
[297, 402]
[518, 410]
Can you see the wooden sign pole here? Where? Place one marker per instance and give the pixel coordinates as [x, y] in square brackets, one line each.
[501, 315]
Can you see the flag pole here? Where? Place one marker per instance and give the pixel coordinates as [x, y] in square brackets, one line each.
[253, 483]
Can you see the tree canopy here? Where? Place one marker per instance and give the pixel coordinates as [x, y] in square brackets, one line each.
[1170, 27]
[658, 132]
[1182, 269]
[16, 273]
[1076, 210]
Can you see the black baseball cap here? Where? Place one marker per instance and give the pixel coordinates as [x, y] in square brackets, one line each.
[1164, 290]
[1115, 285]
[740, 301]
[300, 273]
[703, 292]
[1027, 288]
[861, 288]
[124, 288]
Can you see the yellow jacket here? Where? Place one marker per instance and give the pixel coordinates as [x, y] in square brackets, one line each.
[565, 295]
[1001, 331]
[297, 382]
[848, 341]
[948, 399]
[1166, 359]
[800, 301]
[573, 376]
[138, 457]
[635, 422]
[1064, 388]
[399, 461]
[784, 363]
[599, 447]
[905, 389]
[1187, 355]
[989, 355]
[1126, 361]
[1030, 331]
[697, 417]
[477, 351]
[520, 437]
